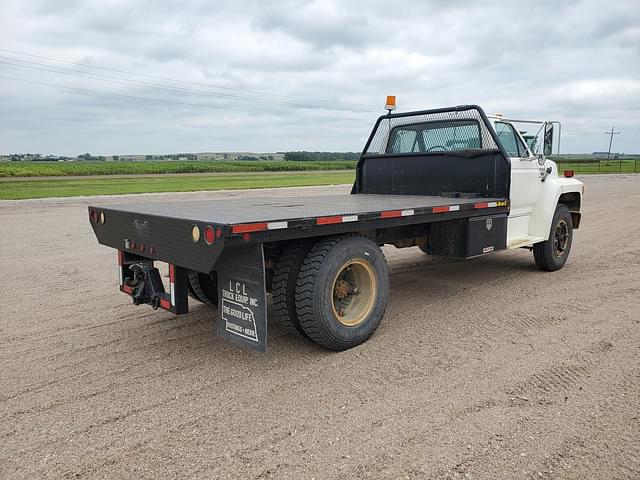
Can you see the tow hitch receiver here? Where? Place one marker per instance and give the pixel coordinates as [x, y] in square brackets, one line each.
[143, 282]
[146, 285]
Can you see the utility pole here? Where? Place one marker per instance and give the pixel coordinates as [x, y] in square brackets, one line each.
[611, 134]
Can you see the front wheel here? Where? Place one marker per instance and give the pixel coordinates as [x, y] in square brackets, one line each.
[552, 254]
[342, 291]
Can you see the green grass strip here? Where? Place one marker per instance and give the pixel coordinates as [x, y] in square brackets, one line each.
[15, 190]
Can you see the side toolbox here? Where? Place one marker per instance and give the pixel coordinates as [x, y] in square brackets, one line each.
[486, 234]
[469, 237]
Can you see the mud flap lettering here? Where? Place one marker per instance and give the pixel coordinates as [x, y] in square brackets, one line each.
[242, 297]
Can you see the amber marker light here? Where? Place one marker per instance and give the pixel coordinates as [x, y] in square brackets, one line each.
[195, 233]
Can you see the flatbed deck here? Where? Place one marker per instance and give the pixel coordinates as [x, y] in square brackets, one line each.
[234, 211]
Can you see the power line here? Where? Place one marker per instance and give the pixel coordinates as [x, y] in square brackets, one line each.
[169, 79]
[159, 100]
[111, 79]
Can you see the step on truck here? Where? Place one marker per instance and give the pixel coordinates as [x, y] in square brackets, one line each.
[452, 182]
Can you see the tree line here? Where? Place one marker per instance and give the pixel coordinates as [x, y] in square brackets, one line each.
[303, 156]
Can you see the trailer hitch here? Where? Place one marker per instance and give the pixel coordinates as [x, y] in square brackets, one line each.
[146, 284]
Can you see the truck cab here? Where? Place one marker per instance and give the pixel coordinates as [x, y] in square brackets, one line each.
[536, 187]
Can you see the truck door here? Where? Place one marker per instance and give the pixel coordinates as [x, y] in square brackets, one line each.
[525, 181]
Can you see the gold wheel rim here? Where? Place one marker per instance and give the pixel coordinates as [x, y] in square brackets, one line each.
[561, 238]
[354, 292]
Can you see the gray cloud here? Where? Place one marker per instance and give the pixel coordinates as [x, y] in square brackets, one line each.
[308, 74]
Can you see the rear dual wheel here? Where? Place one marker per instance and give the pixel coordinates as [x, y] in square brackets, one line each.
[341, 292]
[204, 287]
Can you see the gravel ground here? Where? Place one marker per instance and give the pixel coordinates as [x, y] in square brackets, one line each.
[487, 368]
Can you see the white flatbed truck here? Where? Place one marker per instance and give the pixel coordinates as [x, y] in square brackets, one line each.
[451, 181]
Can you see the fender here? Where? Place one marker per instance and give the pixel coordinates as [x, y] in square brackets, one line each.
[553, 188]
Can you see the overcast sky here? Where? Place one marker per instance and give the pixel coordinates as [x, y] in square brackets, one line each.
[206, 75]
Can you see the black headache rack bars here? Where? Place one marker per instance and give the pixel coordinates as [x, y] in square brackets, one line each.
[476, 163]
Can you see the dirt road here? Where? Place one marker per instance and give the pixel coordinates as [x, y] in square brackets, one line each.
[481, 369]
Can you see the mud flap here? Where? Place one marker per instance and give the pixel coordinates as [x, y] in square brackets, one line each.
[242, 304]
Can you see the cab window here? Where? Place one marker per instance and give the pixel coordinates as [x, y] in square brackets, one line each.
[509, 140]
[433, 137]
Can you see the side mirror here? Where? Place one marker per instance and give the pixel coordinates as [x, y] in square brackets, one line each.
[548, 139]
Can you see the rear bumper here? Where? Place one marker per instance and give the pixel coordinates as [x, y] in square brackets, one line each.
[157, 238]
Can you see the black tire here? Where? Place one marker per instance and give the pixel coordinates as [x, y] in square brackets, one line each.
[283, 287]
[190, 291]
[552, 254]
[205, 287]
[322, 314]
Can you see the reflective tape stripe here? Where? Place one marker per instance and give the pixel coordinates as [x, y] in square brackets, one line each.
[277, 225]
[486, 204]
[448, 208]
[391, 214]
[165, 304]
[329, 220]
[249, 227]
[173, 293]
[407, 213]
[332, 220]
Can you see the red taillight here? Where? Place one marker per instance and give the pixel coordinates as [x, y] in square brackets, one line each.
[568, 173]
[93, 215]
[246, 237]
[209, 234]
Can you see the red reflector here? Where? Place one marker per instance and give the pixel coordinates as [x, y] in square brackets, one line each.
[141, 247]
[249, 227]
[246, 237]
[219, 232]
[440, 209]
[209, 234]
[132, 245]
[172, 273]
[568, 173]
[165, 304]
[482, 205]
[391, 214]
[329, 220]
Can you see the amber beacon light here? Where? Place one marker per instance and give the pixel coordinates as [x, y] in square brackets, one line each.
[391, 103]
